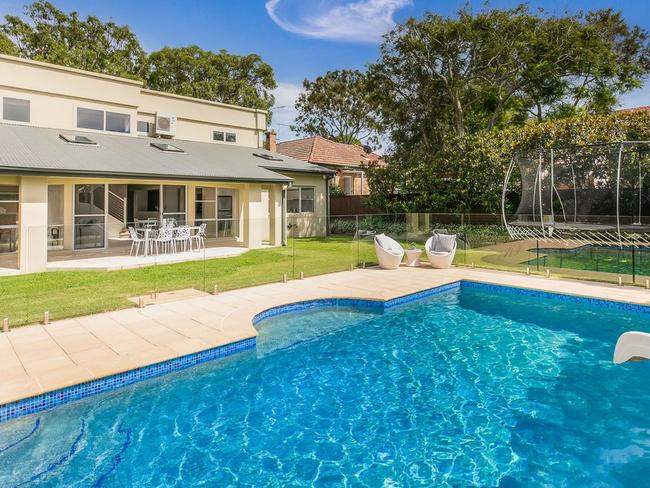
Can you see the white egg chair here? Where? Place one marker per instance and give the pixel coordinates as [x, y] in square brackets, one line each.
[441, 249]
[389, 252]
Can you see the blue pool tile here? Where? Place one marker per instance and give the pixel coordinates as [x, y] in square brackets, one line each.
[76, 392]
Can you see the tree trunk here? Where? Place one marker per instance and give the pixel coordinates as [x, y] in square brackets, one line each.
[459, 117]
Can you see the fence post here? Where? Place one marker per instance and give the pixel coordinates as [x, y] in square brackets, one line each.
[537, 260]
[358, 240]
[293, 251]
[633, 263]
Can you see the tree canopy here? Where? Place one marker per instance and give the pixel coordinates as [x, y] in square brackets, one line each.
[221, 77]
[53, 36]
[449, 92]
[45, 33]
[337, 106]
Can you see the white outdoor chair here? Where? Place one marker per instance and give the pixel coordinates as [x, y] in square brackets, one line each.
[136, 240]
[163, 239]
[199, 237]
[441, 249]
[389, 252]
[182, 237]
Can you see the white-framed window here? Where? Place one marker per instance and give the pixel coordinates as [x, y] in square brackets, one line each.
[143, 127]
[94, 119]
[16, 109]
[348, 185]
[220, 135]
[300, 199]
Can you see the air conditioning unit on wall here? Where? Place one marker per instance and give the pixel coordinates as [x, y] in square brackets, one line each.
[165, 125]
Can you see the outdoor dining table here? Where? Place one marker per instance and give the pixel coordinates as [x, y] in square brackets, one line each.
[147, 231]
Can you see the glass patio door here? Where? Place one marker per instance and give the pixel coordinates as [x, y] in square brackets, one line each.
[89, 216]
[173, 203]
[8, 218]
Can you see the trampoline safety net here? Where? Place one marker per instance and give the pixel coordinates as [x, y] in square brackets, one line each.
[593, 194]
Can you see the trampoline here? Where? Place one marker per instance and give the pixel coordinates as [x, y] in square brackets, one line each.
[592, 194]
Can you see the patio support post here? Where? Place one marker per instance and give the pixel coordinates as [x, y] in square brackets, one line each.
[253, 216]
[33, 224]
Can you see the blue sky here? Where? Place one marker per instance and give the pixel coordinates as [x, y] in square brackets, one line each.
[299, 38]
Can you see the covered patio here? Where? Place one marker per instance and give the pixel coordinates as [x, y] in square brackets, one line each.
[79, 202]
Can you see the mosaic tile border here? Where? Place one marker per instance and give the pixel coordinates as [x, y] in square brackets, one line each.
[51, 399]
[361, 303]
[54, 398]
[561, 297]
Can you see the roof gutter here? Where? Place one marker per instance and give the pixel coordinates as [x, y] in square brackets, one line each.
[5, 170]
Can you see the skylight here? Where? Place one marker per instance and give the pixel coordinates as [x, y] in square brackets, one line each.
[163, 146]
[268, 157]
[77, 139]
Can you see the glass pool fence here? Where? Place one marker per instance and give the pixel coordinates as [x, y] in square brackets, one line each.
[61, 272]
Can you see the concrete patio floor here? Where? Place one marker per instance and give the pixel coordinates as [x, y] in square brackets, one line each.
[39, 358]
[114, 263]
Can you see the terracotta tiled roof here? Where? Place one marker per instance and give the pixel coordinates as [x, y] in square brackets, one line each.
[319, 150]
[645, 108]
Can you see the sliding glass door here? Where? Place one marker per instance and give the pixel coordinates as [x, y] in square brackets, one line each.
[8, 218]
[217, 208]
[89, 216]
[173, 203]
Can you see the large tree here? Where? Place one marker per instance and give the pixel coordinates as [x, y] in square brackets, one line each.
[337, 106]
[221, 76]
[50, 35]
[481, 71]
[444, 85]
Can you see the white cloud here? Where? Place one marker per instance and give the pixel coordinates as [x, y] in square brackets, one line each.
[355, 21]
[285, 113]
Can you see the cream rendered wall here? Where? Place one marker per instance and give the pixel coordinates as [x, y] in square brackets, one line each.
[44, 78]
[310, 224]
[196, 119]
[55, 92]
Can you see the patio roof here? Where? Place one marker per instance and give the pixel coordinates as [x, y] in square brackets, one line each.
[42, 151]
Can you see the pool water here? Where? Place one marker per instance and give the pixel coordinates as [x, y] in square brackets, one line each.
[467, 388]
[608, 259]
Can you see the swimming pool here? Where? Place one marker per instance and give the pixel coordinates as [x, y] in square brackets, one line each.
[477, 386]
[608, 259]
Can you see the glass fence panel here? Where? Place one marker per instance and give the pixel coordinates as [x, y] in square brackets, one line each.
[247, 252]
[322, 245]
[141, 262]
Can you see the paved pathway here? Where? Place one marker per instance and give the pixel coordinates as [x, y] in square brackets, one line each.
[38, 358]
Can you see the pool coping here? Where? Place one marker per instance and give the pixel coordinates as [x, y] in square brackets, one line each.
[49, 399]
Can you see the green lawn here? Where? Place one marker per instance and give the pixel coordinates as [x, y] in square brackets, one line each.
[23, 299]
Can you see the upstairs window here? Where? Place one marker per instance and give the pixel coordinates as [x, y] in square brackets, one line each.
[143, 126]
[231, 137]
[15, 109]
[118, 122]
[218, 135]
[88, 118]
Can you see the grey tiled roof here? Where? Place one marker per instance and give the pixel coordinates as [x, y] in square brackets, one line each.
[37, 150]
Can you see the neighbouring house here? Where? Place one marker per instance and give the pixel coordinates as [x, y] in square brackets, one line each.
[83, 155]
[348, 160]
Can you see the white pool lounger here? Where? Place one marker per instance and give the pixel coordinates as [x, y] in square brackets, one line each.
[632, 346]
